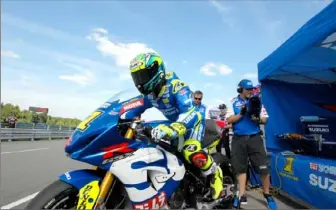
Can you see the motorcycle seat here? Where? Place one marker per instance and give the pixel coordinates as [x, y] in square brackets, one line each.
[211, 133]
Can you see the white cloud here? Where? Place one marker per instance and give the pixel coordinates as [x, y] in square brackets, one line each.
[213, 85]
[30, 89]
[207, 85]
[100, 30]
[122, 52]
[224, 11]
[250, 75]
[318, 4]
[220, 6]
[9, 54]
[25, 83]
[84, 78]
[27, 91]
[209, 69]
[260, 13]
[35, 28]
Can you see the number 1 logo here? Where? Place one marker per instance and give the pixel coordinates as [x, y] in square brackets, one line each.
[289, 165]
[86, 123]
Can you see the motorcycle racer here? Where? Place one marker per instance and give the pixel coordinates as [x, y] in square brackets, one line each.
[170, 95]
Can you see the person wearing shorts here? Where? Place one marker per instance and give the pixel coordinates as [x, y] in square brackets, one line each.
[247, 143]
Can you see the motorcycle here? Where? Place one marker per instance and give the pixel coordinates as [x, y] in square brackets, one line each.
[130, 170]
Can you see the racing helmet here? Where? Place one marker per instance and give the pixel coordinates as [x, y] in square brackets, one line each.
[148, 72]
[222, 106]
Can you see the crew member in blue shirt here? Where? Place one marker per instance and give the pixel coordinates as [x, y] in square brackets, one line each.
[248, 143]
[197, 101]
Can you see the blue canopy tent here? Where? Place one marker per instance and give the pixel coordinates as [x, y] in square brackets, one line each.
[299, 79]
[301, 71]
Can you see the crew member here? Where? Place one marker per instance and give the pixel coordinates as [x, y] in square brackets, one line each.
[197, 101]
[248, 144]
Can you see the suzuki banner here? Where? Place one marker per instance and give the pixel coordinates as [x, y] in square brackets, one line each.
[307, 178]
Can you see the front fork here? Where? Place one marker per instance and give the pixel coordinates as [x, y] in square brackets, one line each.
[106, 184]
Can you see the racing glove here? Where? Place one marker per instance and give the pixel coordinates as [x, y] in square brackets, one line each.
[162, 131]
[171, 132]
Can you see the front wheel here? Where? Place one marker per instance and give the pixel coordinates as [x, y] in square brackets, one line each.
[60, 195]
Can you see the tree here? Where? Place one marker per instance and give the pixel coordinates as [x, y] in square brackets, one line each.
[9, 109]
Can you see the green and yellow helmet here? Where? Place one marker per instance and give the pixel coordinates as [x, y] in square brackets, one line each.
[148, 72]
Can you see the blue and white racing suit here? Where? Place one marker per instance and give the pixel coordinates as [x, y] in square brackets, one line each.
[175, 103]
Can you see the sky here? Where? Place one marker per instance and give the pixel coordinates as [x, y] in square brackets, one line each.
[71, 56]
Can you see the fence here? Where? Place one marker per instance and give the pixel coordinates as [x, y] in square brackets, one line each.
[10, 134]
[23, 125]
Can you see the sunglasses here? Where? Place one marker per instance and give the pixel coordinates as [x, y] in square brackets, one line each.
[198, 99]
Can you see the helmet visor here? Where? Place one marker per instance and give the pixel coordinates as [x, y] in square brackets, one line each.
[143, 76]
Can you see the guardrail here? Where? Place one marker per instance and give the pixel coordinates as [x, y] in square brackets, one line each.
[9, 134]
[24, 125]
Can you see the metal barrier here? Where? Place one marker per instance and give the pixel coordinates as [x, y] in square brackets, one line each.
[24, 125]
[10, 134]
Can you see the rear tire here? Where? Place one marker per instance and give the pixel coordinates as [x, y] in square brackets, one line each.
[58, 195]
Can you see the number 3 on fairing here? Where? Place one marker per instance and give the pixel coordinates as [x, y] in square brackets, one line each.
[85, 123]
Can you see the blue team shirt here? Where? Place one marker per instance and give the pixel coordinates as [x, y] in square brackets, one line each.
[202, 109]
[244, 126]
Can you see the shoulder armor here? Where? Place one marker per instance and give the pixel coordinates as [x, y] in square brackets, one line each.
[170, 75]
[178, 85]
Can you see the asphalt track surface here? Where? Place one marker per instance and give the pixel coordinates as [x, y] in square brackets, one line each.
[27, 167]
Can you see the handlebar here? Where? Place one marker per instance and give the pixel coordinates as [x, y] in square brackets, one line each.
[146, 131]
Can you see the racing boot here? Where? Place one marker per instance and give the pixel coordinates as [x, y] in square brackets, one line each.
[216, 183]
[216, 177]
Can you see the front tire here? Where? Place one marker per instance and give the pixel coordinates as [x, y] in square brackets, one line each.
[58, 195]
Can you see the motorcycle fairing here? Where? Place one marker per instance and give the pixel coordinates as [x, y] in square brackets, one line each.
[79, 178]
[164, 170]
[88, 195]
[97, 137]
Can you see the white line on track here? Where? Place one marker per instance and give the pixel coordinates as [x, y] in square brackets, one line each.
[19, 202]
[28, 150]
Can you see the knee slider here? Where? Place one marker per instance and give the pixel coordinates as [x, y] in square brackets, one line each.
[199, 159]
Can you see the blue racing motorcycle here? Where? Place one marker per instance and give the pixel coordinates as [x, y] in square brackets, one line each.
[129, 169]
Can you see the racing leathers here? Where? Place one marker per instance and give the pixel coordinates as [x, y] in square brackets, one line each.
[175, 103]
